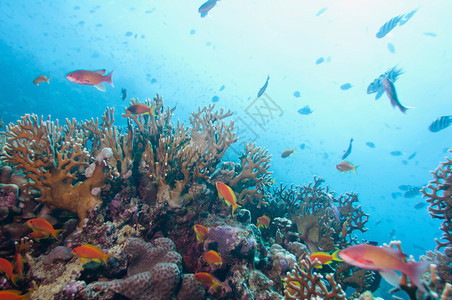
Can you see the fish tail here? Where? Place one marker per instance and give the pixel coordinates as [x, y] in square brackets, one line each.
[48, 79]
[234, 207]
[14, 279]
[335, 256]
[415, 272]
[215, 285]
[354, 169]
[404, 108]
[152, 110]
[105, 258]
[109, 78]
[55, 233]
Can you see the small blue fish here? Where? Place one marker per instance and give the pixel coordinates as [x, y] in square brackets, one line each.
[388, 26]
[296, 94]
[305, 110]
[396, 195]
[432, 34]
[370, 145]
[440, 123]
[413, 192]
[264, 87]
[206, 7]
[321, 11]
[412, 156]
[349, 150]
[319, 60]
[396, 153]
[215, 99]
[391, 48]
[346, 86]
[221, 88]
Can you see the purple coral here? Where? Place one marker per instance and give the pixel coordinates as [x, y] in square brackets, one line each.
[58, 253]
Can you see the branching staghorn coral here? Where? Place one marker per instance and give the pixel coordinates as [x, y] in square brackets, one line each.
[303, 283]
[250, 182]
[53, 158]
[439, 195]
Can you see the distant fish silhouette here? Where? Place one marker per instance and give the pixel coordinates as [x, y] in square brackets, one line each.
[123, 94]
[376, 86]
[412, 192]
[346, 86]
[391, 48]
[388, 26]
[305, 110]
[396, 153]
[370, 145]
[432, 34]
[321, 11]
[440, 123]
[420, 205]
[349, 150]
[206, 7]
[319, 60]
[264, 87]
[407, 17]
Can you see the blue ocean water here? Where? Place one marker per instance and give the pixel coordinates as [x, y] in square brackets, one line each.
[165, 47]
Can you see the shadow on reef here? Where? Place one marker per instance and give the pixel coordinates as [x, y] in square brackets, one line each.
[128, 199]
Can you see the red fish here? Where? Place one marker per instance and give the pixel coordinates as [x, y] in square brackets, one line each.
[91, 252]
[345, 167]
[226, 193]
[37, 236]
[201, 233]
[7, 268]
[94, 78]
[13, 295]
[207, 279]
[212, 258]
[386, 260]
[325, 258]
[141, 109]
[44, 226]
[263, 221]
[19, 264]
[41, 78]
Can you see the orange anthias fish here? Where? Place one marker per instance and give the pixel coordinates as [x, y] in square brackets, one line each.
[263, 221]
[19, 264]
[287, 153]
[141, 109]
[13, 295]
[386, 260]
[207, 279]
[212, 258]
[40, 79]
[91, 252]
[94, 78]
[345, 167]
[201, 233]
[43, 226]
[37, 236]
[226, 193]
[7, 268]
[325, 258]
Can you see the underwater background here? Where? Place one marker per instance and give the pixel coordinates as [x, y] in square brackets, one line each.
[320, 54]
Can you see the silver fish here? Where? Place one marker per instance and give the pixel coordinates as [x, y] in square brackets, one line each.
[264, 87]
[440, 123]
[376, 86]
[392, 94]
[388, 26]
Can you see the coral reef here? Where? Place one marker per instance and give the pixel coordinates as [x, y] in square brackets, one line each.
[439, 194]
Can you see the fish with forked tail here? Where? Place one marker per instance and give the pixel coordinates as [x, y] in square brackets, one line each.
[392, 95]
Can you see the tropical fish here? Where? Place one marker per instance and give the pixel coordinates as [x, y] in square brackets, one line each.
[344, 228]
[221, 88]
[264, 87]
[396, 195]
[207, 279]
[346, 167]
[37, 236]
[206, 7]
[388, 26]
[123, 94]
[44, 226]
[391, 48]
[396, 153]
[412, 192]
[346, 86]
[7, 268]
[13, 295]
[412, 156]
[141, 109]
[91, 252]
[94, 78]
[325, 258]
[319, 60]
[215, 99]
[376, 86]
[407, 17]
[386, 260]
[263, 221]
[440, 123]
[432, 34]
[297, 94]
[305, 110]
[370, 145]
[226, 193]
[201, 233]
[287, 153]
[392, 94]
[349, 150]
[19, 264]
[321, 11]
[420, 205]
[40, 79]
[212, 258]
[404, 187]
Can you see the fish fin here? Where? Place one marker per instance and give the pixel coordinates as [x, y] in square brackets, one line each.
[98, 260]
[14, 279]
[404, 108]
[48, 79]
[105, 258]
[109, 78]
[55, 233]
[203, 15]
[354, 169]
[101, 71]
[152, 111]
[415, 272]
[215, 285]
[318, 267]
[379, 94]
[391, 277]
[83, 260]
[100, 87]
[335, 255]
